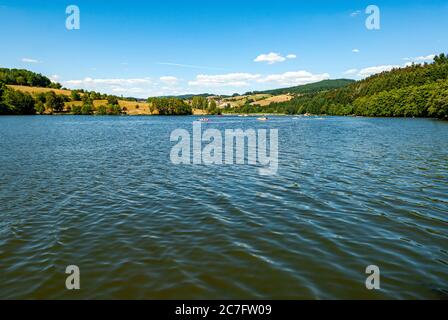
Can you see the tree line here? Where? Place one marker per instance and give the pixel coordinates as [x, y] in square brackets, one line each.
[169, 106]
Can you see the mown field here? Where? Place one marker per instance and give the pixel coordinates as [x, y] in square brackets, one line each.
[37, 90]
[273, 99]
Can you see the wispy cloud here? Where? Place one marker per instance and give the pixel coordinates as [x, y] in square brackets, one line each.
[30, 60]
[356, 51]
[355, 13]
[224, 80]
[191, 66]
[169, 80]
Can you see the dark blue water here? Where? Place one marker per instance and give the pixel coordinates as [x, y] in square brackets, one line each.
[101, 193]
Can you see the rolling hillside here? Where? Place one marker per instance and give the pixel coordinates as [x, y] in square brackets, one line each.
[309, 88]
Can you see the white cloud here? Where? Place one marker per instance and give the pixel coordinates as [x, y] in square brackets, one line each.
[54, 78]
[427, 58]
[224, 80]
[181, 65]
[355, 13]
[169, 80]
[270, 58]
[369, 71]
[30, 60]
[366, 72]
[273, 57]
[355, 50]
[351, 72]
[294, 78]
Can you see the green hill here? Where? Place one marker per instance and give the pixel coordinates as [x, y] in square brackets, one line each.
[308, 88]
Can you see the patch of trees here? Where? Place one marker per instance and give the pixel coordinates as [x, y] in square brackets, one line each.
[86, 108]
[54, 102]
[112, 108]
[213, 108]
[75, 95]
[199, 102]
[26, 78]
[14, 102]
[170, 106]
[202, 103]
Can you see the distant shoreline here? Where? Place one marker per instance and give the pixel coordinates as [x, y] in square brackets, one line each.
[253, 115]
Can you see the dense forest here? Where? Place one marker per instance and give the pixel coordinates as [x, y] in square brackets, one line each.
[419, 90]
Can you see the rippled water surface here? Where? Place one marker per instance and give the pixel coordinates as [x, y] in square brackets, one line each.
[101, 193]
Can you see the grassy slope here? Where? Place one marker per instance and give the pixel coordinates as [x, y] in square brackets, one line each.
[132, 108]
[37, 90]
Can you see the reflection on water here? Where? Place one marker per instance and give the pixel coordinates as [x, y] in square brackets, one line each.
[101, 193]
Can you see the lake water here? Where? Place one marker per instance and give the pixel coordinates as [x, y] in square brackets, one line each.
[102, 194]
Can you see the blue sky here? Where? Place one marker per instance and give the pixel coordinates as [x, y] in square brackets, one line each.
[147, 48]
